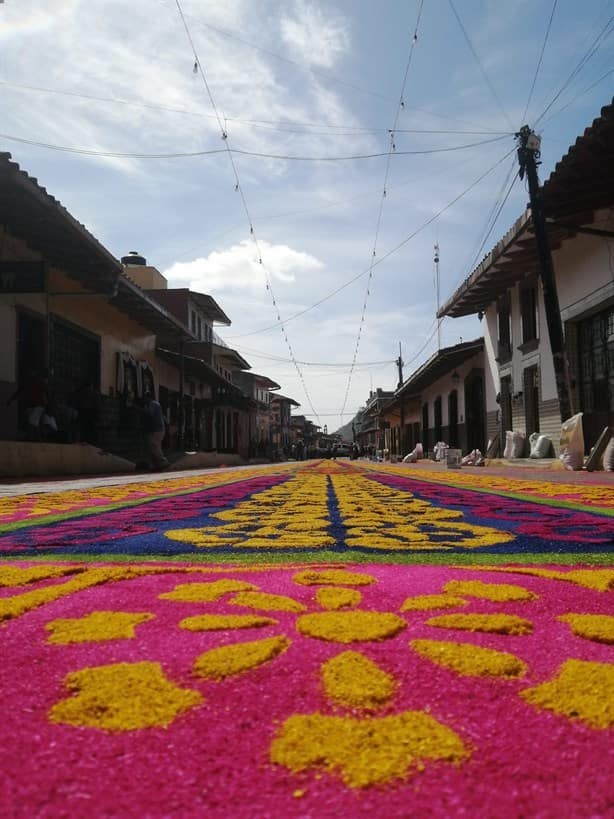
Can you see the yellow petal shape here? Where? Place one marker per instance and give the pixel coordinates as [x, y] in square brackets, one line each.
[15, 576]
[219, 622]
[366, 752]
[470, 660]
[206, 537]
[123, 697]
[489, 623]
[95, 627]
[598, 627]
[331, 577]
[225, 661]
[424, 602]
[599, 579]
[206, 592]
[266, 602]
[497, 592]
[353, 680]
[582, 690]
[348, 626]
[332, 598]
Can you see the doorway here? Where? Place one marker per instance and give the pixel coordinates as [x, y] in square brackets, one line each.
[475, 415]
[453, 418]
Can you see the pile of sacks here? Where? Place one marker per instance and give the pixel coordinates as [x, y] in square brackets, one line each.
[474, 458]
[415, 455]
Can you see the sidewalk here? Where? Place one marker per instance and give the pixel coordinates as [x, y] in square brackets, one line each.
[546, 470]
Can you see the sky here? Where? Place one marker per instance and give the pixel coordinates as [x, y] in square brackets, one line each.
[318, 152]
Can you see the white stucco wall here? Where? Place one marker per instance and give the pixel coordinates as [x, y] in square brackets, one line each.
[444, 386]
[584, 267]
[584, 278]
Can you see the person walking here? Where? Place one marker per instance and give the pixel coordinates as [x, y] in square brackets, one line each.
[153, 425]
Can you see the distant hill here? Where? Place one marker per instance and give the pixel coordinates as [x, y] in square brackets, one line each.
[345, 431]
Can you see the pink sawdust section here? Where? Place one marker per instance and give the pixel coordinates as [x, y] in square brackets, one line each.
[213, 760]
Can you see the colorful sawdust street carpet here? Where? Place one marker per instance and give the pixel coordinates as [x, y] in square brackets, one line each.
[315, 639]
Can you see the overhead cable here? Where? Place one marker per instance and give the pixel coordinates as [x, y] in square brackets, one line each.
[539, 62]
[238, 188]
[381, 259]
[480, 66]
[400, 106]
[239, 151]
[338, 129]
[288, 60]
[587, 56]
[577, 96]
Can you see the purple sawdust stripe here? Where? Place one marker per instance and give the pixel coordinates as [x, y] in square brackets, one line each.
[123, 521]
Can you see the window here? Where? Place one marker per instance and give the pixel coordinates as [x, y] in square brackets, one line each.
[528, 312]
[504, 328]
[193, 320]
[200, 327]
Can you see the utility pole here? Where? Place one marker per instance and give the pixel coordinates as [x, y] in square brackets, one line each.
[436, 260]
[528, 158]
[399, 363]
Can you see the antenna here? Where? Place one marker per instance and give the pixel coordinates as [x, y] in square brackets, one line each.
[436, 260]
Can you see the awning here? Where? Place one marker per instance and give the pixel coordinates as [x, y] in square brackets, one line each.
[34, 216]
[277, 397]
[196, 368]
[210, 307]
[580, 184]
[441, 363]
[38, 219]
[231, 356]
[136, 304]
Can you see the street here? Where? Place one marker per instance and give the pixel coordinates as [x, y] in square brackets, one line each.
[406, 636]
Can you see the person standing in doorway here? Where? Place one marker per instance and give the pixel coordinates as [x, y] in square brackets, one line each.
[153, 425]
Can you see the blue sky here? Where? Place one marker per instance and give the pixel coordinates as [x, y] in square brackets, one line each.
[318, 80]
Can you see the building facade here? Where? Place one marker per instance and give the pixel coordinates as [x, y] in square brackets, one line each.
[506, 290]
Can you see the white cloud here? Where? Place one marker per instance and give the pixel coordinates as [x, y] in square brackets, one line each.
[313, 37]
[239, 267]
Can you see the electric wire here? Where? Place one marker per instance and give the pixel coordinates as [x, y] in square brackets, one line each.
[239, 189]
[242, 152]
[392, 149]
[381, 259]
[492, 217]
[480, 66]
[287, 60]
[282, 360]
[338, 129]
[588, 55]
[577, 96]
[539, 62]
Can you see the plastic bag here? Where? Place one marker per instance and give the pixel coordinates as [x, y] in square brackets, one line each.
[414, 455]
[572, 442]
[540, 445]
[440, 449]
[608, 457]
[474, 458]
[514, 445]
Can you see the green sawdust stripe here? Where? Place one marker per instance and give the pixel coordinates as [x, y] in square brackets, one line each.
[561, 504]
[88, 511]
[327, 557]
